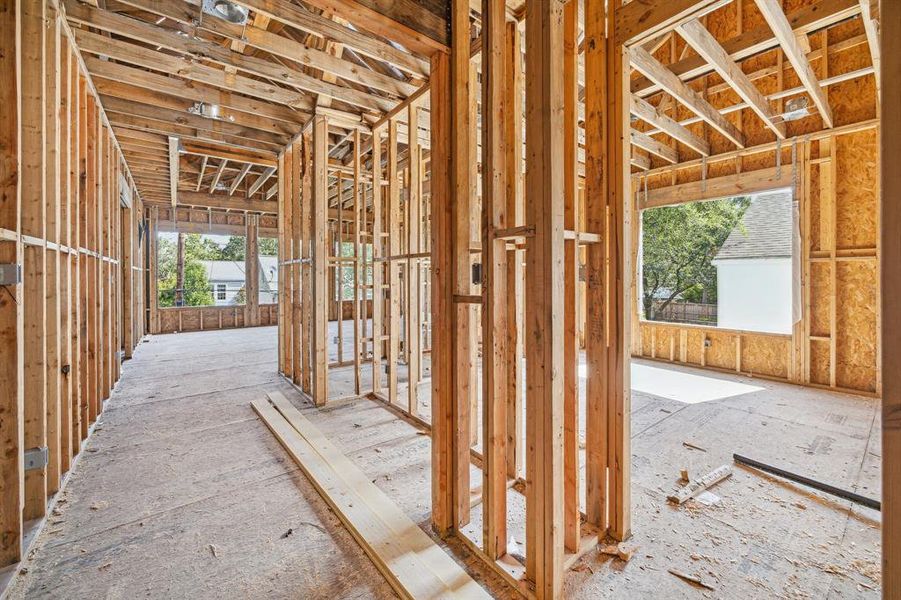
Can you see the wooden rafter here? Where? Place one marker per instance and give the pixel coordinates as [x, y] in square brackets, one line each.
[775, 18]
[655, 147]
[648, 113]
[240, 177]
[872, 31]
[217, 176]
[706, 46]
[261, 180]
[651, 68]
[200, 176]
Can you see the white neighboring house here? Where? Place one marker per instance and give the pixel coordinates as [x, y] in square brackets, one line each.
[227, 278]
[754, 268]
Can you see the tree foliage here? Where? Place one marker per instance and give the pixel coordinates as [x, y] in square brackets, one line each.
[198, 291]
[678, 245]
[197, 286]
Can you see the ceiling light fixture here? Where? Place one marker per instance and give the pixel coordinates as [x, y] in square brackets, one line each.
[796, 108]
[224, 9]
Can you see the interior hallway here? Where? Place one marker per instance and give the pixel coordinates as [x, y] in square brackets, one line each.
[184, 493]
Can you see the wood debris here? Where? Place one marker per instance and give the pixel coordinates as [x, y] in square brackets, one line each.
[621, 551]
[699, 485]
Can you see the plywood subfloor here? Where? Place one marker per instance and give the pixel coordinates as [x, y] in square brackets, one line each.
[183, 492]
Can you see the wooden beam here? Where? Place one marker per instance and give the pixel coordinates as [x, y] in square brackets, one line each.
[544, 311]
[658, 148]
[409, 22]
[441, 305]
[782, 29]
[200, 175]
[649, 114]
[11, 324]
[706, 46]
[173, 169]
[260, 181]
[296, 16]
[515, 258]
[643, 20]
[494, 288]
[239, 178]
[890, 266]
[571, 221]
[223, 202]
[320, 260]
[217, 176]
[252, 271]
[746, 182]
[162, 37]
[32, 181]
[213, 150]
[94, 43]
[182, 105]
[648, 66]
[750, 42]
[284, 119]
[871, 28]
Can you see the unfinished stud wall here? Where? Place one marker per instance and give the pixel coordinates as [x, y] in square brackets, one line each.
[69, 222]
[835, 177]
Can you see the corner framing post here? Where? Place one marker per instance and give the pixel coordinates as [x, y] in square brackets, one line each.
[890, 261]
[11, 317]
[494, 281]
[320, 259]
[544, 310]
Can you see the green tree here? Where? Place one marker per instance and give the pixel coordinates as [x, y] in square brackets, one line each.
[268, 246]
[678, 245]
[197, 285]
[235, 247]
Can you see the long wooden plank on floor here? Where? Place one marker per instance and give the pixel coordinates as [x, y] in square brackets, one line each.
[411, 562]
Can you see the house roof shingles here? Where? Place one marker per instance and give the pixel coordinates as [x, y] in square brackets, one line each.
[766, 230]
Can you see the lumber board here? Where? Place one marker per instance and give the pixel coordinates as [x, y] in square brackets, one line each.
[697, 486]
[411, 562]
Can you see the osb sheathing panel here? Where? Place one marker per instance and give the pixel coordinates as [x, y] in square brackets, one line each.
[765, 355]
[819, 362]
[662, 346]
[856, 325]
[813, 200]
[190, 320]
[646, 335]
[695, 349]
[168, 321]
[856, 190]
[820, 287]
[721, 352]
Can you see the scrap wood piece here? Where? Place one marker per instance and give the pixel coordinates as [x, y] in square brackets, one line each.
[621, 551]
[411, 562]
[691, 579]
[699, 485]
